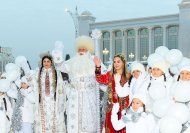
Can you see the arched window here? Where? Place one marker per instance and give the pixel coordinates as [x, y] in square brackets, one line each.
[131, 45]
[158, 37]
[144, 44]
[106, 45]
[118, 42]
[172, 37]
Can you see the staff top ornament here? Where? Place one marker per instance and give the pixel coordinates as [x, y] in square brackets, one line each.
[96, 34]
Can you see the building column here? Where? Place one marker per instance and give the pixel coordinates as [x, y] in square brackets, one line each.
[164, 34]
[123, 42]
[126, 54]
[101, 48]
[136, 43]
[184, 27]
[111, 45]
[150, 40]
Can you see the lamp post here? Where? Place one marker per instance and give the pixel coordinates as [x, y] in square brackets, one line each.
[131, 56]
[75, 20]
[144, 58]
[105, 52]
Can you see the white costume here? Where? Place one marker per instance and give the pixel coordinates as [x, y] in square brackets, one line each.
[83, 95]
[49, 113]
[137, 82]
[135, 122]
[156, 87]
[5, 114]
[83, 112]
[27, 108]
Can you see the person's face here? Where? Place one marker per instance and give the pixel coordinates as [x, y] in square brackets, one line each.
[136, 73]
[82, 51]
[156, 72]
[136, 103]
[118, 64]
[24, 85]
[1, 93]
[46, 63]
[185, 75]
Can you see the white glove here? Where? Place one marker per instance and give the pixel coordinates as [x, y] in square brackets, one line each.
[115, 108]
[117, 78]
[122, 91]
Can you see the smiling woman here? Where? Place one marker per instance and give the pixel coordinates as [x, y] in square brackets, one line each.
[50, 98]
[117, 76]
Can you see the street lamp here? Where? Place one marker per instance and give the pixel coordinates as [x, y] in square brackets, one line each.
[105, 52]
[144, 58]
[131, 56]
[75, 20]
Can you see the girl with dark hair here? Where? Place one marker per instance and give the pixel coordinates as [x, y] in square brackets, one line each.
[135, 120]
[137, 78]
[117, 74]
[158, 84]
[50, 98]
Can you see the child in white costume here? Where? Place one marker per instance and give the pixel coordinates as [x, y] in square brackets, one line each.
[183, 83]
[5, 107]
[138, 76]
[135, 120]
[158, 85]
[24, 105]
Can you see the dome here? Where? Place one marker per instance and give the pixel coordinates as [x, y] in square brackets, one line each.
[86, 13]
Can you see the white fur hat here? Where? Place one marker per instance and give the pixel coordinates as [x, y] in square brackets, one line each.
[185, 68]
[24, 80]
[162, 65]
[4, 85]
[137, 66]
[85, 42]
[140, 96]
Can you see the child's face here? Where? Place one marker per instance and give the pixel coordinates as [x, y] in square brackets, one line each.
[1, 93]
[136, 73]
[156, 72]
[136, 103]
[24, 85]
[185, 75]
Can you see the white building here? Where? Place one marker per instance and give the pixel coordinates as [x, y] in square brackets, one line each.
[137, 38]
[5, 57]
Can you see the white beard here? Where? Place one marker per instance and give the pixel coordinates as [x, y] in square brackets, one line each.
[82, 65]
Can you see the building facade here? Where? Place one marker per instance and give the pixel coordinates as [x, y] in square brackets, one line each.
[5, 57]
[139, 37]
